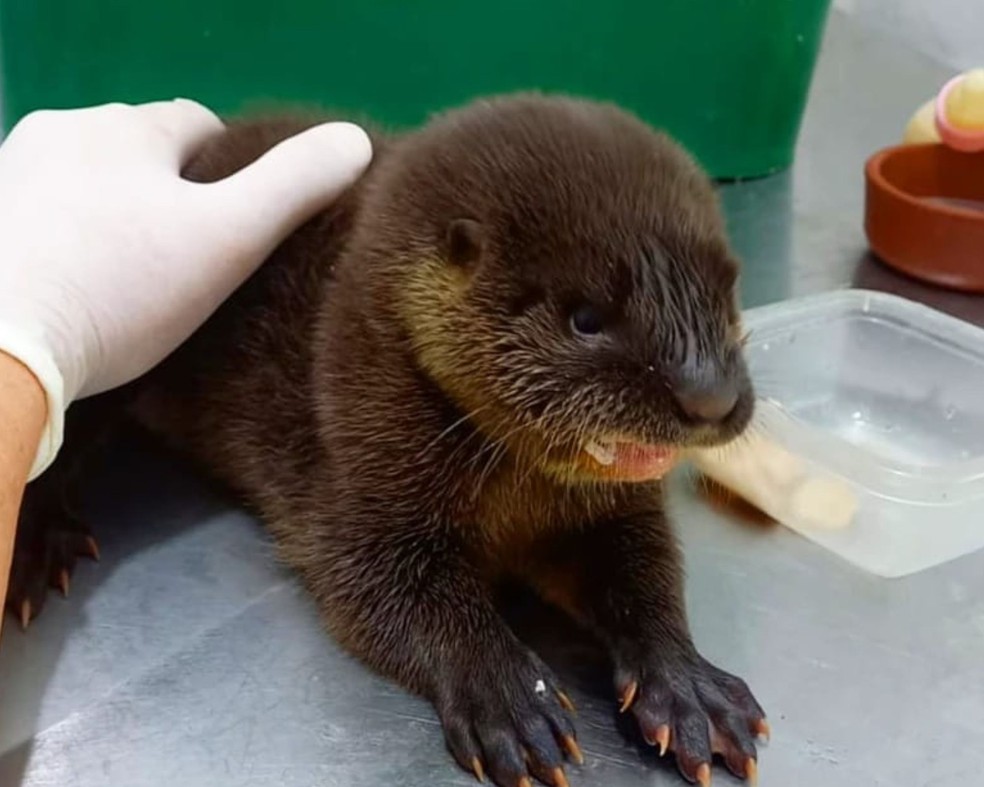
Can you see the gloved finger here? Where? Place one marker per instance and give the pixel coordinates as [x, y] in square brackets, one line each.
[291, 182]
[184, 125]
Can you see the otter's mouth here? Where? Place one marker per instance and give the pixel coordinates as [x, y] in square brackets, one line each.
[628, 460]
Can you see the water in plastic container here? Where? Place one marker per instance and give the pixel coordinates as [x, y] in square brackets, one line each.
[887, 396]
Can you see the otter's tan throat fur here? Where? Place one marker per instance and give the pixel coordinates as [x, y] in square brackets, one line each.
[477, 364]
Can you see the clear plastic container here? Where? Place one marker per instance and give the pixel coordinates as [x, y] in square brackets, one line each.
[884, 397]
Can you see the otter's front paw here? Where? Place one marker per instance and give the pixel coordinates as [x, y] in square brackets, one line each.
[505, 715]
[686, 705]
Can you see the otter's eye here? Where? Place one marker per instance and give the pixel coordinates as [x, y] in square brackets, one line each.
[586, 321]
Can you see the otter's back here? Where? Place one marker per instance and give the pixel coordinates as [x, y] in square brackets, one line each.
[236, 395]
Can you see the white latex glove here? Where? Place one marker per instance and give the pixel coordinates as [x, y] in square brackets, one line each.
[109, 259]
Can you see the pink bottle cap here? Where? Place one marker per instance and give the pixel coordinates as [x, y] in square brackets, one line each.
[962, 139]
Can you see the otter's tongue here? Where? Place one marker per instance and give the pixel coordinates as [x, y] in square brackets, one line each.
[640, 462]
[632, 461]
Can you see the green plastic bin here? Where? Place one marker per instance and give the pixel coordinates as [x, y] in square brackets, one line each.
[728, 78]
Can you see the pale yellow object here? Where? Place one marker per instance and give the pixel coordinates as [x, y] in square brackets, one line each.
[965, 103]
[964, 110]
[779, 483]
[823, 502]
[921, 129]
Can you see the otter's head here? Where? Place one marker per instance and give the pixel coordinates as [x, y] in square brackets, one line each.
[567, 282]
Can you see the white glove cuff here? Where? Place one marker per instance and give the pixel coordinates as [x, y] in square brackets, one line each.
[26, 349]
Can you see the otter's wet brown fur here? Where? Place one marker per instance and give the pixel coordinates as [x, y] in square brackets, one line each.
[401, 396]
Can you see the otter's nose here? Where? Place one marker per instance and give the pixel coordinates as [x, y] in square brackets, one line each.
[706, 398]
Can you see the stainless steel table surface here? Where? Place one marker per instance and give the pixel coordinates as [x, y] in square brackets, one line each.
[187, 657]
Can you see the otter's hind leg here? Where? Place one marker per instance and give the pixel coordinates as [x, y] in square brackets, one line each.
[51, 535]
[50, 539]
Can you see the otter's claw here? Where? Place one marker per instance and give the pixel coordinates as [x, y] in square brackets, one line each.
[92, 547]
[628, 696]
[565, 702]
[573, 749]
[751, 771]
[661, 739]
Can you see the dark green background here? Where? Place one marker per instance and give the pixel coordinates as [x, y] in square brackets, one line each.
[726, 77]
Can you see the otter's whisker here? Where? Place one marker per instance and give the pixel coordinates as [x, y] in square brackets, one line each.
[466, 417]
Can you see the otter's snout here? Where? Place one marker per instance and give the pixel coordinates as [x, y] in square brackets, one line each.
[707, 394]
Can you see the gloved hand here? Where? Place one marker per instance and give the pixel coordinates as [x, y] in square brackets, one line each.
[109, 259]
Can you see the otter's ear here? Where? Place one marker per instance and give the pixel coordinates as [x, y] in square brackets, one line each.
[465, 242]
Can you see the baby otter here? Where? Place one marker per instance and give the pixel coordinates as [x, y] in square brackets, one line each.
[477, 364]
